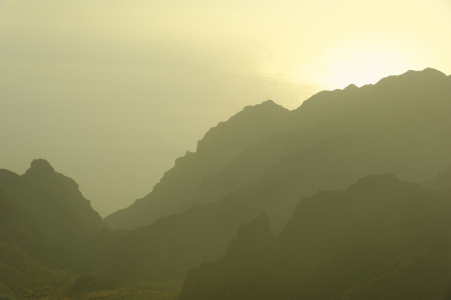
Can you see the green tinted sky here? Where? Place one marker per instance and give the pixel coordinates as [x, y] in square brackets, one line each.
[242, 51]
[111, 92]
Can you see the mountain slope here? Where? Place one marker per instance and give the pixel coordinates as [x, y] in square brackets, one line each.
[424, 273]
[269, 133]
[53, 203]
[25, 255]
[334, 152]
[399, 125]
[337, 241]
[18, 231]
[218, 147]
[441, 182]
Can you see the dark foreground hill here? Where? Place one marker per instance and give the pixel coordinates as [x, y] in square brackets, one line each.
[43, 219]
[25, 256]
[32, 267]
[382, 238]
[53, 203]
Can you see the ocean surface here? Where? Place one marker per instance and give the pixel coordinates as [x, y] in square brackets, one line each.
[115, 151]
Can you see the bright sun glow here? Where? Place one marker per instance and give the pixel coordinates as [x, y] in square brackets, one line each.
[362, 64]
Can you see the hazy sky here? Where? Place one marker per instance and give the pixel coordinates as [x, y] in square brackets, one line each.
[284, 50]
[110, 73]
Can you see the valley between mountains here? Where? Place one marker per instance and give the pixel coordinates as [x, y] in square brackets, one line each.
[346, 197]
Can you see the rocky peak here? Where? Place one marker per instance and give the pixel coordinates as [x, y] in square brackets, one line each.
[251, 236]
[441, 182]
[245, 127]
[40, 166]
[375, 180]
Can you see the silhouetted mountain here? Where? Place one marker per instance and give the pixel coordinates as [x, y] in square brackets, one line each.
[28, 260]
[399, 125]
[99, 251]
[53, 203]
[441, 182]
[23, 252]
[172, 245]
[245, 253]
[18, 230]
[359, 243]
[218, 147]
[267, 158]
[22, 277]
[423, 273]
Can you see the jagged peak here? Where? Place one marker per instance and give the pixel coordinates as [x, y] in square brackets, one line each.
[40, 165]
[261, 224]
[446, 171]
[261, 221]
[426, 74]
[252, 114]
[441, 182]
[39, 169]
[374, 181]
[411, 76]
[268, 104]
[431, 71]
[251, 235]
[351, 87]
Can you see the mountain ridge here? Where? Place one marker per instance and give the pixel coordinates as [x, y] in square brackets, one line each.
[54, 203]
[326, 106]
[219, 145]
[279, 171]
[335, 242]
[331, 200]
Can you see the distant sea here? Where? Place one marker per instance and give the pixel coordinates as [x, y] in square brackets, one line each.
[115, 151]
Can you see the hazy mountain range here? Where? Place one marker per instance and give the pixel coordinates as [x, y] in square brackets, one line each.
[279, 204]
[382, 238]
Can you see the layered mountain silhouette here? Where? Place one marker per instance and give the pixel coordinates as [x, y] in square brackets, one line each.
[228, 207]
[26, 256]
[400, 125]
[382, 238]
[44, 221]
[441, 182]
[215, 151]
[395, 125]
[53, 203]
